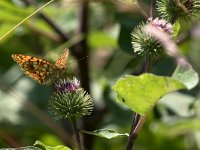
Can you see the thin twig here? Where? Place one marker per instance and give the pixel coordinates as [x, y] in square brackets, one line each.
[55, 27]
[53, 36]
[141, 9]
[153, 9]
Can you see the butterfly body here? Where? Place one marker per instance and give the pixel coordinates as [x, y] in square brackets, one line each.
[41, 70]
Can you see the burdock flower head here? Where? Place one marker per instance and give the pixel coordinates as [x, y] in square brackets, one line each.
[70, 100]
[144, 44]
[67, 85]
[181, 10]
[161, 24]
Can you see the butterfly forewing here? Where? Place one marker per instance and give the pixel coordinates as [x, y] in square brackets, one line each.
[61, 62]
[34, 67]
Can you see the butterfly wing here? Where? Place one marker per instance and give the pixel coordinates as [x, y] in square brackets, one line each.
[36, 68]
[61, 62]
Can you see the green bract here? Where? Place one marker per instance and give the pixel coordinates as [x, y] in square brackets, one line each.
[144, 44]
[71, 105]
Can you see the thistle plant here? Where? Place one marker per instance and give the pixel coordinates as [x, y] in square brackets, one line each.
[152, 48]
[180, 10]
[70, 101]
[144, 44]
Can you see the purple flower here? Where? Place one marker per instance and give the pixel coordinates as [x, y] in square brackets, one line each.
[69, 101]
[64, 85]
[161, 24]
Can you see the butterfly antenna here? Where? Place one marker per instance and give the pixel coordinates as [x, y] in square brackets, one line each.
[83, 58]
[80, 59]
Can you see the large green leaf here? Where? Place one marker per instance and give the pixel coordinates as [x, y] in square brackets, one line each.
[140, 93]
[46, 147]
[106, 133]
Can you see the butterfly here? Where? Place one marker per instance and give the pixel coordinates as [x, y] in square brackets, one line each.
[41, 70]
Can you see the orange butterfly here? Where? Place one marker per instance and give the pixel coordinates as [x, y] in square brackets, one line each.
[42, 70]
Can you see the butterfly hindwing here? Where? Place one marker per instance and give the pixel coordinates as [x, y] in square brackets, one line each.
[35, 77]
[36, 68]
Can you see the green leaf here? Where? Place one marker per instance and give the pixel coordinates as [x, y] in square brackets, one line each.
[39, 146]
[140, 93]
[186, 75]
[106, 133]
[22, 148]
[45, 147]
[175, 29]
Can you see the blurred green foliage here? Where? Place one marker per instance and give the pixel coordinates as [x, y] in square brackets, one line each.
[23, 103]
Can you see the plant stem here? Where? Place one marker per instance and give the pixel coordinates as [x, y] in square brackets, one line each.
[82, 46]
[138, 120]
[77, 134]
[135, 121]
[173, 19]
[153, 9]
[134, 133]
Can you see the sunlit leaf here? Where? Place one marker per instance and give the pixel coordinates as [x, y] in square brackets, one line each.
[140, 93]
[106, 133]
[45, 147]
